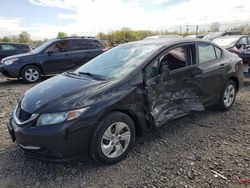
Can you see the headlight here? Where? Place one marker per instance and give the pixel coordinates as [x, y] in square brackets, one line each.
[10, 61]
[60, 117]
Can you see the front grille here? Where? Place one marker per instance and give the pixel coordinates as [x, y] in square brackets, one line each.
[22, 115]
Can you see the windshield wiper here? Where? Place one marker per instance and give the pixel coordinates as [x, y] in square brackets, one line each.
[92, 75]
[73, 73]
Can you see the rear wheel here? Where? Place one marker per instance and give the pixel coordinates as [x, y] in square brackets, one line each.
[113, 138]
[31, 74]
[228, 95]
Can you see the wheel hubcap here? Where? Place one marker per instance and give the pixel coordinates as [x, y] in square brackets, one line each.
[31, 74]
[229, 95]
[115, 140]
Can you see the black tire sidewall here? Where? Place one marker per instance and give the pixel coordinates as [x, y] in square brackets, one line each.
[95, 148]
[25, 69]
[222, 105]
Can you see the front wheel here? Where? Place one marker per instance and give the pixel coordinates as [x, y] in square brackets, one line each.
[228, 95]
[31, 74]
[113, 138]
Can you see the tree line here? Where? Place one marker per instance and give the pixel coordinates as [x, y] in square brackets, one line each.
[120, 36]
[23, 37]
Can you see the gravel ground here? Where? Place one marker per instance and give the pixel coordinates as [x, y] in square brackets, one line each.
[181, 154]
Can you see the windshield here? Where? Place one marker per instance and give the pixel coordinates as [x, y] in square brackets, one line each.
[41, 47]
[119, 61]
[225, 41]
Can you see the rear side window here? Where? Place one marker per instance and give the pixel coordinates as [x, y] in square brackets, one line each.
[7, 47]
[23, 46]
[79, 45]
[84, 44]
[206, 53]
[94, 44]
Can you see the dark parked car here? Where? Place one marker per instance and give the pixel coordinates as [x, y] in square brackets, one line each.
[53, 57]
[8, 49]
[100, 108]
[238, 44]
[214, 35]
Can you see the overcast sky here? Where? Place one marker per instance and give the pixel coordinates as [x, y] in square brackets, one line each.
[44, 18]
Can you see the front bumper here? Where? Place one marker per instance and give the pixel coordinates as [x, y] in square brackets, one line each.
[11, 71]
[58, 143]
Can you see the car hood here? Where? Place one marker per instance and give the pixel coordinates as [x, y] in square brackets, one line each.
[63, 93]
[19, 56]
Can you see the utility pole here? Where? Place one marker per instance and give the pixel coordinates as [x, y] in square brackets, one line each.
[197, 29]
[187, 29]
[180, 30]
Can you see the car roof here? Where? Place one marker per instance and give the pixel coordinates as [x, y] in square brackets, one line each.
[14, 43]
[74, 38]
[166, 41]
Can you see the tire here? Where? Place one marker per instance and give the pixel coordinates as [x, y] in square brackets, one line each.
[227, 96]
[110, 142]
[31, 74]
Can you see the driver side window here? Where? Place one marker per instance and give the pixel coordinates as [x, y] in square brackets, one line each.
[58, 47]
[174, 59]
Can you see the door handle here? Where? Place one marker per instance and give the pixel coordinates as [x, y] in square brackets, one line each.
[194, 77]
[222, 66]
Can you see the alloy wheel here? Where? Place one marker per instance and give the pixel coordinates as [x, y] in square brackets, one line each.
[229, 95]
[115, 140]
[31, 74]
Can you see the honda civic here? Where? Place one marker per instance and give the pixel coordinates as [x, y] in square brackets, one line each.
[99, 109]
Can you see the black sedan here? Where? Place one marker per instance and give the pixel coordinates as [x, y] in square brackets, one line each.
[99, 109]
